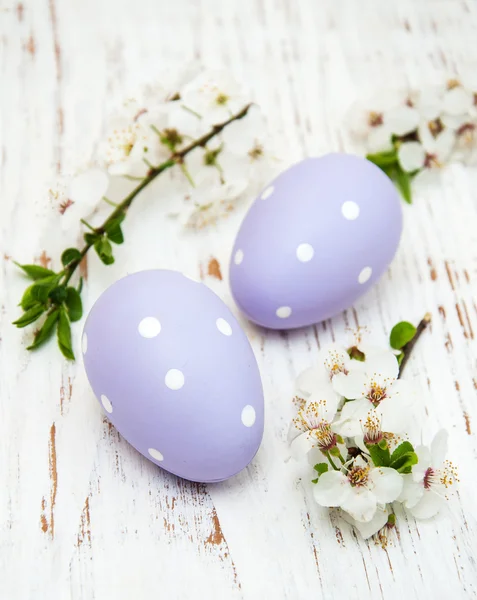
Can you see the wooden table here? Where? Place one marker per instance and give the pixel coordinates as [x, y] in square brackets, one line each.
[83, 515]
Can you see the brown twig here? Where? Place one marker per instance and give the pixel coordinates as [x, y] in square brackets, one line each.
[408, 348]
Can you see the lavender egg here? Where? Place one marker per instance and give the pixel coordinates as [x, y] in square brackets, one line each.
[175, 374]
[316, 239]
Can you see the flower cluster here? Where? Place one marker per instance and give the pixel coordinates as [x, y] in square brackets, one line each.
[415, 133]
[353, 415]
[162, 120]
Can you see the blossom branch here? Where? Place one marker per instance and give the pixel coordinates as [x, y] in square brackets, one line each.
[50, 293]
[408, 348]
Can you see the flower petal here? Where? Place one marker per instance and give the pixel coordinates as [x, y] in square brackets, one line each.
[412, 491]
[428, 506]
[360, 504]
[379, 140]
[378, 521]
[301, 445]
[350, 386]
[309, 380]
[402, 120]
[386, 484]
[332, 489]
[327, 400]
[383, 367]
[411, 156]
[439, 447]
[89, 187]
[457, 101]
[352, 415]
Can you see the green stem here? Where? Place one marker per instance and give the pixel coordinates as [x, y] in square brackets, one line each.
[176, 158]
[328, 456]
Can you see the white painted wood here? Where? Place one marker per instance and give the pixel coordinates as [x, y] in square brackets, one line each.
[82, 515]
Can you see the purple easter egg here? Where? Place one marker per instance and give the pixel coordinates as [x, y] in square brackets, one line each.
[316, 239]
[176, 374]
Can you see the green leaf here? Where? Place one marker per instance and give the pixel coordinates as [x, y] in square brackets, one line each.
[400, 358]
[58, 294]
[403, 183]
[405, 462]
[27, 300]
[115, 222]
[74, 304]
[116, 235]
[30, 316]
[315, 480]
[403, 458]
[380, 456]
[383, 159]
[104, 250]
[401, 334]
[91, 238]
[321, 468]
[46, 331]
[403, 448]
[35, 271]
[64, 335]
[70, 255]
[40, 290]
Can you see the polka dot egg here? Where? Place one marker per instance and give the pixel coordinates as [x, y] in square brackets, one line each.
[316, 239]
[175, 374]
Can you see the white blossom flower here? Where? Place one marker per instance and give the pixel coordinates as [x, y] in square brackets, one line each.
[359, 490]
[312, 425]
[424, 491]
[331, 361]
[377, 119]
[214, 96]
[377, 391]
[248, 149]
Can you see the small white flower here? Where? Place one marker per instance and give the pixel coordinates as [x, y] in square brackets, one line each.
[359, 490]
[312, 425]
[377, 392]
[433, 149]
[424, 491]
[248, 150]
[214, 96]
[333, 360]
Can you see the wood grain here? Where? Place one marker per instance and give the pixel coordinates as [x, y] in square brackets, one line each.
[82, 515]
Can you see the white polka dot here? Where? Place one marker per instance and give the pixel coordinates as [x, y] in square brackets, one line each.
[350, 210]
[305, 252]
[223, 326]
[156, 455]
[174, 379]
[248, 416]
[365, 274]
[284, 312]
[149, 327]
[108, 407]
[238, 257]
[84, 343]
[268, 192]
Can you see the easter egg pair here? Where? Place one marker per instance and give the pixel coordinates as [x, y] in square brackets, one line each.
[171, 365]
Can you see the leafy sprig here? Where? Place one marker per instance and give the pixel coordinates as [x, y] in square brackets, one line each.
[51, 296]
